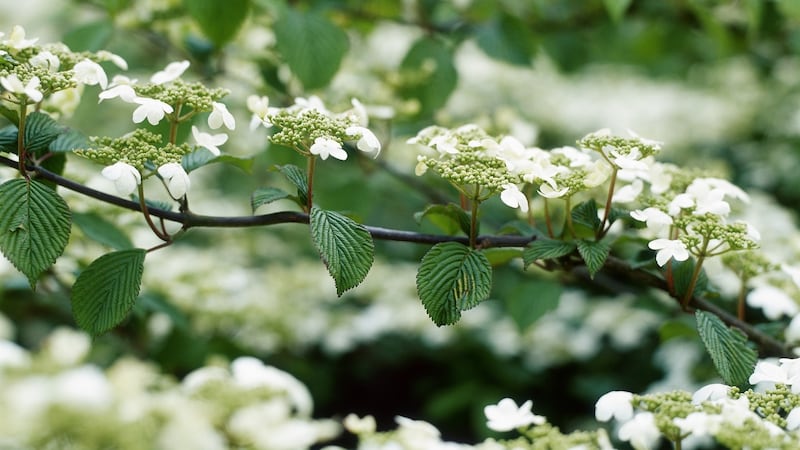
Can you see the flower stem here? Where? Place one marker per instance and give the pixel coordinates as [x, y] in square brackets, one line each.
[312, 161]
[602, 230]
[568, 217]
[547, 220]
[162, 234]
[687, 296]
[21, 152]
[473, 222]
[740, 310]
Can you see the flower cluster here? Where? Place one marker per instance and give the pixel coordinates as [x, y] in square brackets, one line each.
[311, 129]
[46, 396]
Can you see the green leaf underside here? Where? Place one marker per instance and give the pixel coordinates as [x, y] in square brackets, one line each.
[682, 272]
[312, 46]
[585, 214]
[546, 249]
[40, 131]
[266, 195]
[734, 359]
[298, 178]
[68, 141]
[450, 218]
[34, 226]
[8, 139]
[529, 301]
[432, 90]
[106, 291]
[344, 245]
[220, 21]
[98, 229]
[452, 278]
[616, 8]
[594, 254]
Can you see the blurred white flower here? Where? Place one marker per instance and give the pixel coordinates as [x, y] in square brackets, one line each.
[13, 84]
[548, 191]
[84, 387]
[90, 73]
[711, 392]
[669, 249]
[313, 102]
[126, 178]
[151, 109]
[208, 141]
[124, 91]
[221, 116]
[46, 60]
[67, 346]
[506, 415]
[773, 301]
[171, 72]
[259, 106]
[616, 404]
[360, 112]
[641, 431]
[114, 58]
[655, 219]
[699, 423]
[793, 419]
[367, 141]
[325, 147]
[514, 198]
[417, 434]
[176, 178]
[12, 355]
[190, 429]
[360, 425]
[250, 372]
[198, 378]
[629, 192]
[707, 198]
[16, 39]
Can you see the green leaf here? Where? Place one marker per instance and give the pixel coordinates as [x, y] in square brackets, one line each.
[220, 21]
[594, 254]
[106, 291]
[40, 131]
[450, 218]
[311, 45]
[728, 347]
[499, 256]
[97, 228]
[546, 249]
[429, 64]
[531, 300]
[616, 8]
[452, 278]
[246, 164]
[507, 39]
[34, 226]
[265, 195]
[90, 37]
[197, 159]
[297, 177]
[682, 272]
[68, 141]
[8, 139]
[344, 245]
[585, 214]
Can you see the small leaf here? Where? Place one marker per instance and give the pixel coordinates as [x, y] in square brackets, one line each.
[196, 159]
[220, 21]
[531, 300]
[546, 249]
[507, 39]
[430, 64]
[450, 218]
[68, 141]
[298, 178]
[311, 45]
[246, 164]
[34, 226]
[585, 214]
[682, 272]
[97, 228]
[616, 8]
[594, 254]
[734, 359]
[8, 139]
[106, 291]
[40, 131]
[344, 245]
[452, 278]
[265, 195]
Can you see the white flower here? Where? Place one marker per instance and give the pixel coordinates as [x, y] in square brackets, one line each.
[259, 106]
[773, 301]
[444, 144]
[360, 112]
[367, 141]
[360, 425]
[47, 60]
[631, 161]
[325, 147]
[67, 347]
[548, 191]
[699, 423]
[793, 419]
[126, 178]
[84, 387]
[176, 178]
[124, 91]
[150, 108]
[629, 192]
[221, 116]
[171, 72]
[767, 372]
[208, 141]
[90, 73]
[514, 198]
[249, 372]
[115, 59]
[708, 199]
[420, 168]
[711, 392]
[506, 415]
[655, 219]
[16, 39]
[416, 434]
[641, 431]
[668, 249]
[681, 201]
[12, 355]
[13, 84]
[312, 102]
[616, 404]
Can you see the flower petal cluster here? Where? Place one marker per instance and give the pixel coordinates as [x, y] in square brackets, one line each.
[126, 178]
[210, 142]
[176, 178]
[13, 84]
[506, 415]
